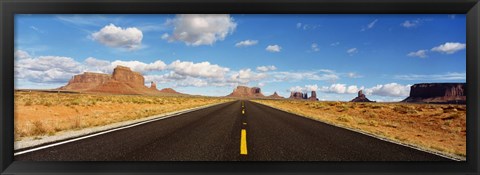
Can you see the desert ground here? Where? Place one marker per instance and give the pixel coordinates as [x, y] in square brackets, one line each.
[435, 127]
[44, 113]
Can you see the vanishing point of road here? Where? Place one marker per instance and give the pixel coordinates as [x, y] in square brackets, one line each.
[233, 131]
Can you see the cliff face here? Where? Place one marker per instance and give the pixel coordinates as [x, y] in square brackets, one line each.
[86, 81]
[246, 92]
[124, 74]
[437, 93]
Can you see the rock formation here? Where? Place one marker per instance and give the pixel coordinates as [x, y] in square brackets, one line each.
[296, 95]
[453, 93]
[153, 85]
[275, 95]
[86, 81]
[170, 91]
[313, 96]
[122, 81]
[361, 98]
[246, 92]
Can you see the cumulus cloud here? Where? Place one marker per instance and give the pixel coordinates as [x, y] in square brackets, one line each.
[335, 44]
[340, 89]
[313, 87]
[266, 68]
[296, 89]
[45, 69]
[419, 53]
[117, 37]
[141, 66]
[314, 47]
[390, 90]
[201, 29]
[245, 76]
[352, 51]
[273, 48]
[449, 47]
[246, 43]
[202, 69]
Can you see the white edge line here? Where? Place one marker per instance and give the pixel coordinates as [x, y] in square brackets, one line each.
[112, 130]
[375, 136]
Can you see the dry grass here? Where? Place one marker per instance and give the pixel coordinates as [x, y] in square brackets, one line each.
[440, 128]
[40, 113]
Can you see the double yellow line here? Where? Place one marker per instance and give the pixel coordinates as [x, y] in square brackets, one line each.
[243, 135]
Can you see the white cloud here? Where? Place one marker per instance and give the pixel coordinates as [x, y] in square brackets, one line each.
[353, 75]
[140, 66]
[370, 25]
[245, 76]
[321, 75]
[352, 51]
[296, 89]
[449, 47]
[411, 23]
[44, 69]
[266, 68]
[335, 44]
[430, 77]
[165, 36]
[20, 54]
[314, 47]
[273, 48]
[390, 90]
[340, 89]
[203, 69]
[246, 43]
[202, 29]
[312, 87]
[419, 53]
[117, 37]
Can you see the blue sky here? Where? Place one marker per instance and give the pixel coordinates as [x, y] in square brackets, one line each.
[336, 55]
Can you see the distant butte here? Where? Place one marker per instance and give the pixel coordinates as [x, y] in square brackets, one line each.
[122, 81]
[361, 98]
[446, 93]
[246, 92]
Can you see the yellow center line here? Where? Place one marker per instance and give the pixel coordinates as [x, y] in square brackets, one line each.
[244, 123]
[243, 111]
[243, 142]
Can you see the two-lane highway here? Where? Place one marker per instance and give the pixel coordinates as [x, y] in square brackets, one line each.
[233, 131]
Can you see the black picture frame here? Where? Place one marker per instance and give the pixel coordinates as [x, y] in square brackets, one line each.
[8, 8]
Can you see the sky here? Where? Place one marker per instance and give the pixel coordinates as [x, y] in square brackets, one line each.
[335, 55]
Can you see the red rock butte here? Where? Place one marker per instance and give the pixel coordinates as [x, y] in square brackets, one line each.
[122, 81]
[451, 93]
[246, 92]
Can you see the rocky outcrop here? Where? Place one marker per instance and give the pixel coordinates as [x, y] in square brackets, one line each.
[153, 86]
[122, 81]
[86, 81]
[298, 95]
[246, 92]
[313, 96]
[275, 95]
[170, 91]
[361, 98]
[452, 93]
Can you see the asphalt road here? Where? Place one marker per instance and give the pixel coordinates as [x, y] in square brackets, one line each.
[225, 133]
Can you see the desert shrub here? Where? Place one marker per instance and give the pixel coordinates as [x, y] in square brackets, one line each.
[344, 118]
[38, 128]
[28, 102]
[451, 117]
[404, 109]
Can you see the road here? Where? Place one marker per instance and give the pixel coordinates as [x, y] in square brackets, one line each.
[233, 131]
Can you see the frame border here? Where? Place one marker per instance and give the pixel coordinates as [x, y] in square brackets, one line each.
[8, 8]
